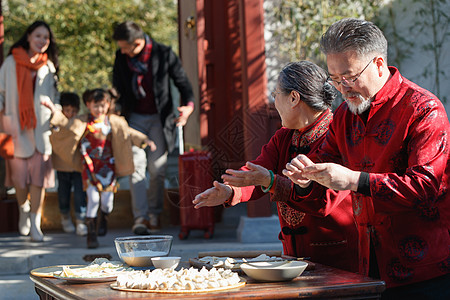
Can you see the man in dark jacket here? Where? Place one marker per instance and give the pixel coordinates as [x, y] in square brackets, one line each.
[142, 72]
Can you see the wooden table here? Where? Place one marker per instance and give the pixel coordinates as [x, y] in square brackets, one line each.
[322, 282]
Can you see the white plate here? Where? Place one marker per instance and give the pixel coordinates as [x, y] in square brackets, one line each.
[89, 274]
[267, 271]
[49, 271]
[87, 279]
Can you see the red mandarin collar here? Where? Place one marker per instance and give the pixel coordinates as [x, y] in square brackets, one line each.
[390, 89]
[317, 121]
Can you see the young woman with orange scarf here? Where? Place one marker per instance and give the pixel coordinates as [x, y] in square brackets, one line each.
[28, 76]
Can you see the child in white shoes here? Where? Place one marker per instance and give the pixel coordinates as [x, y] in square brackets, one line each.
[100, 146]
[67, 176]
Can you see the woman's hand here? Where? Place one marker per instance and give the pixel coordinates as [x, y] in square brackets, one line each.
[49, 104]
[255, 175]
[214, 196]
[294, 170]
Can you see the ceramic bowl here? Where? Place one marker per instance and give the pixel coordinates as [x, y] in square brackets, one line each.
[137, 251]
[274, 271]
[167, 262]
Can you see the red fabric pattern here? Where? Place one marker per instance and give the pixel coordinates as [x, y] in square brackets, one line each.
[324, 232]
[404, 147]
[98, 166]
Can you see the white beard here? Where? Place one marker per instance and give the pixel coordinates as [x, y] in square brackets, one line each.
[359, 108]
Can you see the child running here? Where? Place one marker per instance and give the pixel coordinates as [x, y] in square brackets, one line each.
[101, 148]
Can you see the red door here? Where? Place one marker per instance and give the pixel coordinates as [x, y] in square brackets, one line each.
[222, 49]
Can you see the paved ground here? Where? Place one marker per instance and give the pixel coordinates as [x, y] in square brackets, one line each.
[18, 255]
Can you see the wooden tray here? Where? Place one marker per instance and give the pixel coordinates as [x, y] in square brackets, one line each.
[240, 284]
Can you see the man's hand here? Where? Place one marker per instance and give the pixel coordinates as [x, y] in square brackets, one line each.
[331, 175]
[214, 196]
[151, 144]
[185, 112]
[256, 175]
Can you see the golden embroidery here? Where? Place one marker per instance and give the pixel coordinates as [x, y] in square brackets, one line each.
[309, 136]
[291, 216]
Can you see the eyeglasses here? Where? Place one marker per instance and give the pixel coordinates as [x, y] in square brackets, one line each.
[349, 82]
[274, 94]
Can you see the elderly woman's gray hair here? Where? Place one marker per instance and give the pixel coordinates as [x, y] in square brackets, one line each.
[310, 81]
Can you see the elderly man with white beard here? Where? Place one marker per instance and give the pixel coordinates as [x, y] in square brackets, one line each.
[388, 144]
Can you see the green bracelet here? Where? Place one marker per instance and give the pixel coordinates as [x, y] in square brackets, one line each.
[272, 179]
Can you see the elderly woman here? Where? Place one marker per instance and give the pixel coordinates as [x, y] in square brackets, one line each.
[322, 230]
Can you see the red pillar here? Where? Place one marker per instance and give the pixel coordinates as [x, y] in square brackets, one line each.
[233, 116]
[2, 33]
[254, 86]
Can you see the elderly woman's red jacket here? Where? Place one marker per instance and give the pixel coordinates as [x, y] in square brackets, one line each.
[325, 231]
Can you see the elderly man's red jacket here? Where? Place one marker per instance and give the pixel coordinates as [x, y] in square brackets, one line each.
[403, 146]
